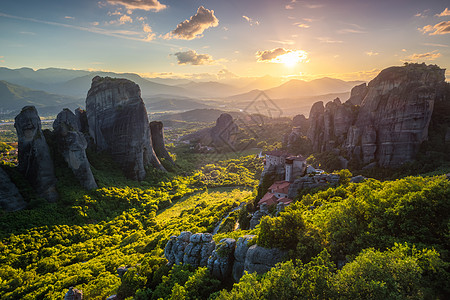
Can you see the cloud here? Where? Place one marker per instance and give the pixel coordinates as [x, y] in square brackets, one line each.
[439, 28]
[436, 45]
[147, 29]
[194, 27]
[350, 30]
[301, 25]
[125, 19]
[328, 40]
[226, 74]
[193, 58]
[423, 56]
[148, 5]
[312, 6]
[68, 17]
[422, 14]
[251, 21]
[288, 6]
[372, 53]
[279, 55]
[445, 13]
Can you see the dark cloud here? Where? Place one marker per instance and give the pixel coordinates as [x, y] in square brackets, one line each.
[154, 5]
[193, 58]
[268, 55]
[194, 27]
[439, 28]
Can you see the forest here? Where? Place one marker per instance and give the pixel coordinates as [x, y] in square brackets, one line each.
[364, 240]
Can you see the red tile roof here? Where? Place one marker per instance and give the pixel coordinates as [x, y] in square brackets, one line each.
[280, 187]
[269, 199]
[285, 200]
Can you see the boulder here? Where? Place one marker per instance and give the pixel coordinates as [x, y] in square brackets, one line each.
[188, 248]
[220, 263]
[73, 294]
[260, 260]
[10, 197]
[157, 134]
[118, 124]
[35, 161]
[72, 145]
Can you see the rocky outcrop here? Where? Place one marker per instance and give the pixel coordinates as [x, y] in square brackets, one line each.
[188, 248]
[34, 156]
[240, 253]
[311, 182]
[10, 197]
[316, 129]
[73, 294]
[118, 124]
[220, 263]
[157, 134]
[82, 120]
[221, 136]
[390, 122]
[72, 145]
[260, 260]
[257, 215]
[357, 94]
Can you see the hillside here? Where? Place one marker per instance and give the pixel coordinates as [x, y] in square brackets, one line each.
[13, 97]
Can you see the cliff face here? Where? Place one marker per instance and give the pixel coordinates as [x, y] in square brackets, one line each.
[34, 155]
[222, 135]
[118, 124]
[72, 145]
[390, 123]
[157, 133]
[10, 197]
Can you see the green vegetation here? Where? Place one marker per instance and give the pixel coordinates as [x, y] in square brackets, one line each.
[371, 240]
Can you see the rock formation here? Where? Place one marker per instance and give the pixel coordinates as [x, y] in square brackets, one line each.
[357, 94]
[157, 134]
[390, 122]
[73, 294]
[310, 182]
[239, 256]
[34, 155]
[118, 124]
[222, 135]
[10, 197]
[188, 248]
[260, 260]
[72, 145]
[220, 263]
[257, 215]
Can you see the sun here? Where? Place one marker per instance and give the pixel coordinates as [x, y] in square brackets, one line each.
[289, 59]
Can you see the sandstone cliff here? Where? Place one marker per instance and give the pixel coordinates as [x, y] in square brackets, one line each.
[34, 155]
[222, 135]
[118, 124]
[10, 197]
[157, 133]
[383, 123]
[72, 145]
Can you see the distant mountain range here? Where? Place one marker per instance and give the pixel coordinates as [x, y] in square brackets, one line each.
[55, 87]
[14, 97]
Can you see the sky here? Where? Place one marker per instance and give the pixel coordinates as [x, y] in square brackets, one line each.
[219, 39]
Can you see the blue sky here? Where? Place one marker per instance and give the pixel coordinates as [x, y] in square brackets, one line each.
[294, 39]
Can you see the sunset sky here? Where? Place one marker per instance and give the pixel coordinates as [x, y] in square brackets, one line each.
[351, 39]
